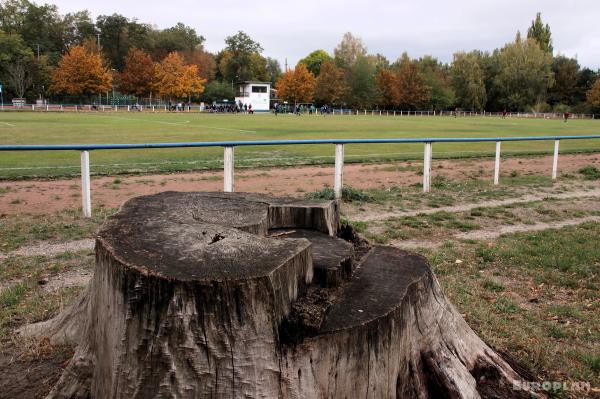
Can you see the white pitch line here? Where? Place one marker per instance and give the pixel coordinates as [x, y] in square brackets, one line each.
[177, 123]
[8, 124]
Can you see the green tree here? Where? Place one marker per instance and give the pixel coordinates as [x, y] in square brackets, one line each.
[541, 33]
[38, 25]
[273, 70]
[585, 80]
[239, 61]
[16, 64]
[566, 71]
[468, 82]
[78, 27]
[363, 88]
[117, 35]
[217, 91]
[436, 77]
[314, 60]
[524, 76]
[180, 38]
[349, 51]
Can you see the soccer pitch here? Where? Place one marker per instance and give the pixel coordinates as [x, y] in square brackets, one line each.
[73, 128]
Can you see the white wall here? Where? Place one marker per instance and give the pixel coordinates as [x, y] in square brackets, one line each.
[259, 101]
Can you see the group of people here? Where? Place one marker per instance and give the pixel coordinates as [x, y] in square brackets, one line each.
[300, 109]
[176, 107]
[230, 108]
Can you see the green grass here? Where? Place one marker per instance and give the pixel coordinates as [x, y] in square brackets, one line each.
[57, 128]
[533, 295]
[18, 230]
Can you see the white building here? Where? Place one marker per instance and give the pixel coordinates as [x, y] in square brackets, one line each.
[257, 94]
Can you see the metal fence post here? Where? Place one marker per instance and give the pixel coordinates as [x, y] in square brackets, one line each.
[427, 167]
[497, 166]
[555, 160]
[338, 180]
[228, 162]
[86, 195]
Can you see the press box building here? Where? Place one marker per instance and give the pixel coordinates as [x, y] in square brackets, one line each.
[257, 94]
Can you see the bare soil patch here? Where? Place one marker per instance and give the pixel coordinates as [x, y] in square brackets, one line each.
[46, 196]
[27, 375]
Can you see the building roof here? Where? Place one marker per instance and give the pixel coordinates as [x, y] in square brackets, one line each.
[253, 82]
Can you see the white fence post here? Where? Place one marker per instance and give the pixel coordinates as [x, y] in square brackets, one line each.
[555, 160]
[497, 166]
[427, 168]
[86, 195]
[228, 161]
[338, 180]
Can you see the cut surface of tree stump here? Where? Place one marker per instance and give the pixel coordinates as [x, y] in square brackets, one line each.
[213, 295]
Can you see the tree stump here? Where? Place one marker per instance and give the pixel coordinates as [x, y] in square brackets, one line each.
[212, 295]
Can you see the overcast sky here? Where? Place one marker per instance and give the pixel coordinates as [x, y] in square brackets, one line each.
[292, 29]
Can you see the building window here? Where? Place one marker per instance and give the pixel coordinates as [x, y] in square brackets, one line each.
[259, 89]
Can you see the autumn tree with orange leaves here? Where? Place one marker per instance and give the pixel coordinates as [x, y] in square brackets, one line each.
[176, 79]
[387, 82]
[413, 92]
[297, 86]
[593, 95]
[81, 73]
[404, 88]
[139, 76]
[330, 86]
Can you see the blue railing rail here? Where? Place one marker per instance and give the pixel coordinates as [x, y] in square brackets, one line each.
[197, 144]
[228, 161]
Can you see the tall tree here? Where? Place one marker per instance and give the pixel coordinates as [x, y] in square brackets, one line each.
[412, 90]
[330, 86]
[176, 79]
[524, 76]
[436, 77]
[387, 82]
[540, 33]
[363, 89]
[216, 91]
[15, 59]
[585, 80]
[273, 70]
[78, 27]
[593, 95]
[468, 81]
[205, 61]
[296, 86]
[239, 59]
[180, 37]
[81, 72]
[314, 60]
[117, 35]
[350, 50]
[139, 76]
[566, 71]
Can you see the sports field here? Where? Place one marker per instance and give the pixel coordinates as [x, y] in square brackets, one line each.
[59, 128]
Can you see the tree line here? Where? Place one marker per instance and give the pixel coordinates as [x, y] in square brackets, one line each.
[44, 53]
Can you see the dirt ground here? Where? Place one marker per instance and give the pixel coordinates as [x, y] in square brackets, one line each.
[25, 376]
[44, 196]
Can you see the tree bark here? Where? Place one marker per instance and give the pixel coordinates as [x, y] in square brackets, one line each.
[206, 295]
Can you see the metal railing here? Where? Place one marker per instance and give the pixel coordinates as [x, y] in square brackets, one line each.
[229, 162]
[196, 108]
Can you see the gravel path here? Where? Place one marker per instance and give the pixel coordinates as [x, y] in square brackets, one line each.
[489, 234]
[469, 206]
[50, 249]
